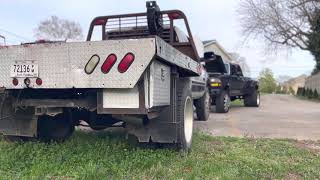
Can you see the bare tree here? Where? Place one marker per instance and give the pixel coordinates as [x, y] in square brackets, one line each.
[279, 22]
[55, 28]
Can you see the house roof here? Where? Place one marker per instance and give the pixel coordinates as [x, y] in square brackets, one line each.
[210, 42]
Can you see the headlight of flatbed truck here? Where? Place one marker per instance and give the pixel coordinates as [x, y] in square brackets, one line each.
[214, 82]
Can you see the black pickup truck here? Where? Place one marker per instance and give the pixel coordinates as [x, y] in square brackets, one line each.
[226, 83]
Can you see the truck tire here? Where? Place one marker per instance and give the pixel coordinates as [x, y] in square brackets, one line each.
[57, 128]
[203, 107]
[184, 115]
[253, 99]
[223, 102]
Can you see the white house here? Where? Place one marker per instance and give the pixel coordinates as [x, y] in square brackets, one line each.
[214, 46]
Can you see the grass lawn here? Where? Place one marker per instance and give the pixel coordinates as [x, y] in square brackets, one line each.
[106, 156]
[237, 102]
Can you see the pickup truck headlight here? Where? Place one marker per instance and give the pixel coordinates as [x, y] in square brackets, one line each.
[214, 82]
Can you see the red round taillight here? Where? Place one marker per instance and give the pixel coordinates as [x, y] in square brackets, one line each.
[108, 63]
[39, 81]
[126, 63]
[15, 81]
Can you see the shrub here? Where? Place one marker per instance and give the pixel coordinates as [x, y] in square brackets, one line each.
[310, 94]
[307, 93]
[303, 92]
[299, 92]
[315, 95]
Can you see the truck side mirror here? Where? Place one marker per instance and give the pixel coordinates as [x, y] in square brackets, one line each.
[209, 56]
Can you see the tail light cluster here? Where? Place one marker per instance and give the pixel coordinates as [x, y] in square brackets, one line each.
[91, 65]
[26, 81]
[126, 63]
[109, 62]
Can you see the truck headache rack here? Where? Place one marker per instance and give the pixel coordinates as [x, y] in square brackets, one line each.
[134, 27]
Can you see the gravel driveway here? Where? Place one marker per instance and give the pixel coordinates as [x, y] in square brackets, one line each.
[280, 116]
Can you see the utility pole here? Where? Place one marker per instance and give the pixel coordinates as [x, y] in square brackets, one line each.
[4, 39]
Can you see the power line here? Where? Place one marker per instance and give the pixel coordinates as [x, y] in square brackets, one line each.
[14, 34]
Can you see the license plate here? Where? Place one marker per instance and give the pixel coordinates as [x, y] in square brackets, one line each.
[24, 70]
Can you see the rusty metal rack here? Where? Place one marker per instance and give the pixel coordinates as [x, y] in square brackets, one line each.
[134, 27]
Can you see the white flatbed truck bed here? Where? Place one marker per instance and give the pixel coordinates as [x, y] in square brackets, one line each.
[142, 81]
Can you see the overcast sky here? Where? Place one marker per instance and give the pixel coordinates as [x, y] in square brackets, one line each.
[209, 19]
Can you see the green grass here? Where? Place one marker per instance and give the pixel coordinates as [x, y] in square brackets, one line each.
[105, 156]
[237, 102]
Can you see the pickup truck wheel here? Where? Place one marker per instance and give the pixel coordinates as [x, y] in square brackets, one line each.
[203, 107]
[184, 117]
[252, 100]
[223, 102]
[57, 128]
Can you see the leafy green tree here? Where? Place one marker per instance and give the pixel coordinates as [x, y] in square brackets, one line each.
[267, 81]
[278, 89]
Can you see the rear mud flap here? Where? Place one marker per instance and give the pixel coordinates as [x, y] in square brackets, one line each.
[161, 130]
[164, 128]
[17, 121]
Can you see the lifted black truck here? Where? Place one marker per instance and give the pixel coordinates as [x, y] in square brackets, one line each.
[226, 84]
